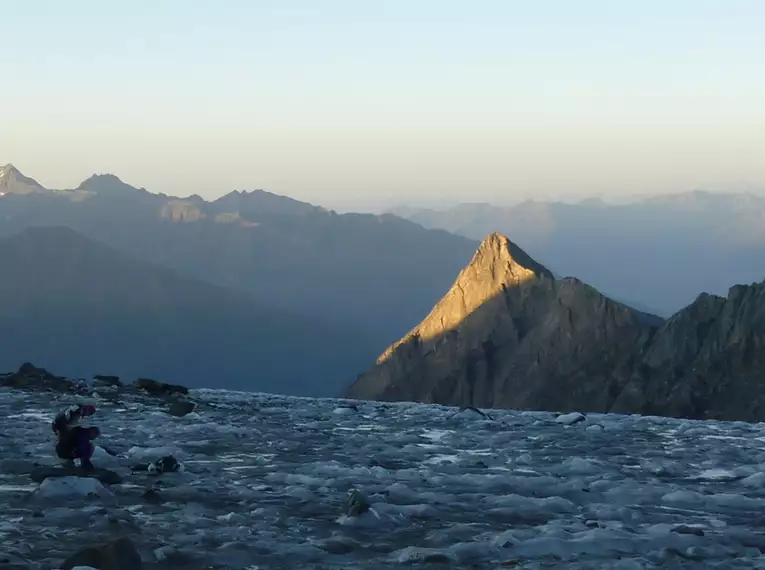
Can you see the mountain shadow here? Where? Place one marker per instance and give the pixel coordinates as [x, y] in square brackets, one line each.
[80, 307]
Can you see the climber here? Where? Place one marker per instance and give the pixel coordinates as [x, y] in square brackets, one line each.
[75, 441]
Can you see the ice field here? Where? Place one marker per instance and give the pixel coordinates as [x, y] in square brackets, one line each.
[266, 480]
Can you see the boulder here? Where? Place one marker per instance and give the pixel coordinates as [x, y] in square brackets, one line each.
[120, 554]
[31, 378]
[180, 408]
[356, 504]
[155, 388]
[107, 381]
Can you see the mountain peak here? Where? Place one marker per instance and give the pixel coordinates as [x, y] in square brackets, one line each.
[109, 185]
[14, 182]
[506, 262]
[498, 265]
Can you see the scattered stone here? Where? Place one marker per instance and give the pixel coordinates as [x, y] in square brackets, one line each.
[107, 381]
[180, 408]
[154, 388]
[118, 555]
[356, 504]
[167, 464]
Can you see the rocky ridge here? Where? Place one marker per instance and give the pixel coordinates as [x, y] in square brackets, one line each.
[510, 335]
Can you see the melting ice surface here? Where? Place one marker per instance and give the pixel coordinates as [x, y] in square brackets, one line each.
[266, 479]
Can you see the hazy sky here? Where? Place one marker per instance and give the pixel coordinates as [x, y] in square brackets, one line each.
[387, 100]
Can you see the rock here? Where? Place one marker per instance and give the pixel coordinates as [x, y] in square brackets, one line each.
[107, 381]
[180, 408]
[31, 378]
[356, 504]
[570, 419]
[105, 476]
[167, 464]
[118, 555]
[706, 362]
[154, 388]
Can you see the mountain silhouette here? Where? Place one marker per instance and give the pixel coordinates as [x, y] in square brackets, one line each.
[378, 273]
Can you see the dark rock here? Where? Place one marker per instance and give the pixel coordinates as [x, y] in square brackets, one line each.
[155, 388]
[31, 378]
[107, 381]
[180, 408]
[167, 464]
[105, 476]
[356, 504]
[118, 555]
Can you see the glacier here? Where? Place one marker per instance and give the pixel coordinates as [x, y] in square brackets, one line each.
[266, 478]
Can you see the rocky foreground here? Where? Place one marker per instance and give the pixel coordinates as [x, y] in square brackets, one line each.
[275, 483]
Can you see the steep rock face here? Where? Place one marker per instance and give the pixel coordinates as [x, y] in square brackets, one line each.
[508, 334]
[707, 361]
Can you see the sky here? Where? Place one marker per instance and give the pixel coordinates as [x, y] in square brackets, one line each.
[370, 102]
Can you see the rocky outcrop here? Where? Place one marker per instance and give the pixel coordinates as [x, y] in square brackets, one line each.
[706, 362]
[31, 378]
[508, 334]
[155, 388]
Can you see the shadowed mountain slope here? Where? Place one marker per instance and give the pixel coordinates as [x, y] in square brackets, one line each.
[80, 308]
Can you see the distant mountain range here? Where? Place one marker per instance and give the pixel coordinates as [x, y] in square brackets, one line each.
[376, 272]
[657, 253]
[324, 276]
[509, 334]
